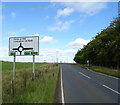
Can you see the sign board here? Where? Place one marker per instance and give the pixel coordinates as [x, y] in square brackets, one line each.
[24, 46]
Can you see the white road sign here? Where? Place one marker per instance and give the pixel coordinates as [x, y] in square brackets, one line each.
[24, 45]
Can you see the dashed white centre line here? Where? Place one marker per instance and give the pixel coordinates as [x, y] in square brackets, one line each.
[111, 89]
[84, 75]
[102, 85]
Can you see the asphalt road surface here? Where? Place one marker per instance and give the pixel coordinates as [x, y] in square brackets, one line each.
[85, 86]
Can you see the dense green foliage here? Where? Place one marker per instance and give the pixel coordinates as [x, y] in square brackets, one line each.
[104, 49]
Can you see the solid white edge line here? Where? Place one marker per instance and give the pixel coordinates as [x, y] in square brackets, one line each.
[84, 75]
[111, 89]
[62, 94]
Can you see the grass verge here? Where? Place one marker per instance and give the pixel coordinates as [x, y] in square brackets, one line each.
[104, 70]
[19, 65]
[41, 90]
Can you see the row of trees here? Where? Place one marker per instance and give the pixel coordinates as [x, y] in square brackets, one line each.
[104, 49]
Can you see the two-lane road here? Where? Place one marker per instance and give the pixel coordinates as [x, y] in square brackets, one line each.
[85, 86]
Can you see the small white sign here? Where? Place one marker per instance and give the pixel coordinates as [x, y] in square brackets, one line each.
[24, 46]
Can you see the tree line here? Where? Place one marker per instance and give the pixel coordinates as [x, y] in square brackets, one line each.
[104, 49]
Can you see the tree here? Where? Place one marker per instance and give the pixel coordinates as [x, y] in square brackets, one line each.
[104, 49]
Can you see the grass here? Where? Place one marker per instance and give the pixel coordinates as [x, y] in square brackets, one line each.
[104, 70]
[41, 90]
[19, 65]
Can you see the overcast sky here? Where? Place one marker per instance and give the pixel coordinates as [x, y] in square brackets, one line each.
[63, 28]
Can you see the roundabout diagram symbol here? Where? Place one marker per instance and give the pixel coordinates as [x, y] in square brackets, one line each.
[21, 48]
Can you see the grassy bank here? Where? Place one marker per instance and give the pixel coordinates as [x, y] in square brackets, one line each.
[105, 70]
[41, 90]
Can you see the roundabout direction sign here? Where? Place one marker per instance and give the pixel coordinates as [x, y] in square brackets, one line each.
[23, 46]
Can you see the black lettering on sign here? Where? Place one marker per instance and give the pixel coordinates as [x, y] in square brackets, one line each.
[16, 38]
[30, 40]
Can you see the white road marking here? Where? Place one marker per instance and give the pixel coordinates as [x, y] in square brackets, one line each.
[103, 74]
[62, 93]
[84, 75]
[111, 89]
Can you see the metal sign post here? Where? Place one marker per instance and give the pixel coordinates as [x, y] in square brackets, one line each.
[88, 63]
[14, 73]
[33, 67]
[14, 67]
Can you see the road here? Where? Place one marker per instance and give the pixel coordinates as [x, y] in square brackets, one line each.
[85, 86]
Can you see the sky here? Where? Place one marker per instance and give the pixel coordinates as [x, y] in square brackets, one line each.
[63, 27]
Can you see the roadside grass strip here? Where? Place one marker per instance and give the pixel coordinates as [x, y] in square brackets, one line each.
[104, 70]
[26, 90]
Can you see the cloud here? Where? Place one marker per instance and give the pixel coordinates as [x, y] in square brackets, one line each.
[13, 14]
[45, 54]
[47, 39]
[89, 8]
[85, 9]
[60, 25]
[71, 52]
[47, 17]
[64, 12]
[78, 43]
[51, 54]
[16, 32]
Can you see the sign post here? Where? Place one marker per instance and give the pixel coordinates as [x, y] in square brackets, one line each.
[33, 67]
[23, 46]
[88, 63]
[14, 68]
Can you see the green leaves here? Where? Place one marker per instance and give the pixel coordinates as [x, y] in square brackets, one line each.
[104, 49]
